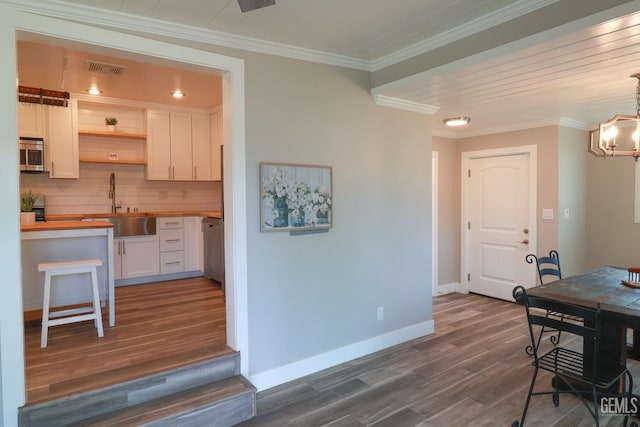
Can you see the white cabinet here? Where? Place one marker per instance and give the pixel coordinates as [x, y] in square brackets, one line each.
[31, 120]
[171, 232]
[215, 121]
[158, 145]
[193, 244]
[58, 126]
[169, 153]
[202, 144]
[181, 147]
[136, 256]
[61, 147]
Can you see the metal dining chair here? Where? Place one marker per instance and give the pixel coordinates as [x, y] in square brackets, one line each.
[581, 374]
[548, 271]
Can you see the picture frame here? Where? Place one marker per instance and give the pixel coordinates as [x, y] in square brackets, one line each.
[295, 197]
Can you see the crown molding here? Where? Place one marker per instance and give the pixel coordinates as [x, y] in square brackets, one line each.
[84, 14]
[402, 104]
[507, 13]
[575, 124]
[525, 125]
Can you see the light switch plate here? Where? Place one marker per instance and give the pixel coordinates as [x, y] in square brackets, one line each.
[547, 213]
[566, 213]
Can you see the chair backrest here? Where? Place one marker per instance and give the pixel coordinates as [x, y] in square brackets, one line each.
[548, 266]
[586, 320]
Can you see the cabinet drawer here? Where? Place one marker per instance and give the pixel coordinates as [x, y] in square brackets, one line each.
[171, 262]
[171, 240]
[170, 222]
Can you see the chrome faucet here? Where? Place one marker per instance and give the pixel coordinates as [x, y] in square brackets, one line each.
[112, 193]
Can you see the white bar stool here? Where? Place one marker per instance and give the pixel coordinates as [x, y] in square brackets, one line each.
[71, 315]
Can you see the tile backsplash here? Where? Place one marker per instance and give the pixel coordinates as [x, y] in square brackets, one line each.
[90, 193]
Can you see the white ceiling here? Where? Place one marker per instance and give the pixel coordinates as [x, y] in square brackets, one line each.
[577, 73]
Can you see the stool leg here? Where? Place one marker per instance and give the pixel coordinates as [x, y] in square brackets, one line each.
[96, 301]
[45, 309]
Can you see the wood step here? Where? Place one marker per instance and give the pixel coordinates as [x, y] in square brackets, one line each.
[223, 403]
[78, 407]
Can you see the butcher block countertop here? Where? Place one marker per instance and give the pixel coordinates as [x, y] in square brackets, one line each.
[65, 225]
[79, 217]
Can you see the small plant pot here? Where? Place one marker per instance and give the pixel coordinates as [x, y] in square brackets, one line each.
[111, 128]
[27, 218]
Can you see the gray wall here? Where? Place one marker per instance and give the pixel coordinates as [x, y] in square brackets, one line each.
[572, 195]
[314, 293]
[613, 237]
[448, 210]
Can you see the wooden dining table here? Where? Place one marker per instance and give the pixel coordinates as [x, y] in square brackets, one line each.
[619, 305]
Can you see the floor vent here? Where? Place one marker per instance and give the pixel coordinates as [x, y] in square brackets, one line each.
[104, 67]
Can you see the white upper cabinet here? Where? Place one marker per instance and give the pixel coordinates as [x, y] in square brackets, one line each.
[216, 143]
[158, 145]
[58, 126]
[62, 143]
[31, 122]
[181, 147]
[202, 146]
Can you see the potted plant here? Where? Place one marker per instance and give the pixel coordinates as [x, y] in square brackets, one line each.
[27, 201]
[111, 123]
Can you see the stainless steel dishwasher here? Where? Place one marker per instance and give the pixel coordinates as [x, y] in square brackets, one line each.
[214, 249]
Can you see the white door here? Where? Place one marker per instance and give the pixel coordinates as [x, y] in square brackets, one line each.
[500, 226]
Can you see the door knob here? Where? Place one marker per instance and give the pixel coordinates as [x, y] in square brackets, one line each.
[525, 241]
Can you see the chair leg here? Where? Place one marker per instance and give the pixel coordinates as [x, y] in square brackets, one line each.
[96, 302]
[526, 404]
[45, 309]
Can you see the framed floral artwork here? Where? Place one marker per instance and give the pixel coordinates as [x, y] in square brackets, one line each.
[295, 197]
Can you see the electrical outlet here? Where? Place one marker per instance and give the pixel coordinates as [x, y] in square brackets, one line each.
[380, 313]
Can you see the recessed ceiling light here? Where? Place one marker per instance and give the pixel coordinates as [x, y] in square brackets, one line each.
[94, 91]
[178, 94]
[456, 121]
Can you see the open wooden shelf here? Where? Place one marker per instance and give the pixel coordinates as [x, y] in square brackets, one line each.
[117, 162]
[107, 134]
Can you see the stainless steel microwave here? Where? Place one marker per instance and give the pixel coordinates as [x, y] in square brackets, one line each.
[31, 154]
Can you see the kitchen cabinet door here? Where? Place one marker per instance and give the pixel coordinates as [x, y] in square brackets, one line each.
[193, 244]
[31, 121]
[139, 256]
[201, 142]
[158, 145]
[181, 149]
[61, 146]
[216, 143]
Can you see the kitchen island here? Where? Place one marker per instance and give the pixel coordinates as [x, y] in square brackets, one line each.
[54, 241]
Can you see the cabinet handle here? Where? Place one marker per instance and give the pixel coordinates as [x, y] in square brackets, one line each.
[53, 168]
[195, 173]
[172, 240]
[172, 223]
[172, 263]
[123, 251]
[169, 171]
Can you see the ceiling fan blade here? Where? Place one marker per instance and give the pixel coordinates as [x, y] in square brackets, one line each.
[248, 5]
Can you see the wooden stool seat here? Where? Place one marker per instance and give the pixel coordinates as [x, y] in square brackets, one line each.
[61, 317]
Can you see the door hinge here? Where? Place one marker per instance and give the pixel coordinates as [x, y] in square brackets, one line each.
[468, 277]
[469, 173]
[469, 225]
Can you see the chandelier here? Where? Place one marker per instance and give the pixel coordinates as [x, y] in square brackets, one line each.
[618, 136]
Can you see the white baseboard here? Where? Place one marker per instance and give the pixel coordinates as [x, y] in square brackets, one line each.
[448, 288]
[292, 371]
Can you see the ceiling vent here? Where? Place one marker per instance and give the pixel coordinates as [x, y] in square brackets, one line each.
[104, 67]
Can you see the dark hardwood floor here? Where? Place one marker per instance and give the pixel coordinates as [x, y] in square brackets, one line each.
[472, 371]
[159, 326]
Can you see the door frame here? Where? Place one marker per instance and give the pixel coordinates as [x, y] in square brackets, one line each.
[434, 224]
[466, 158]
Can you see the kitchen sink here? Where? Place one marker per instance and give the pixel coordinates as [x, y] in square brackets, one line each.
[136, 224]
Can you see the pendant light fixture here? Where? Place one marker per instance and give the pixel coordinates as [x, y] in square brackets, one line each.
[618, 136]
